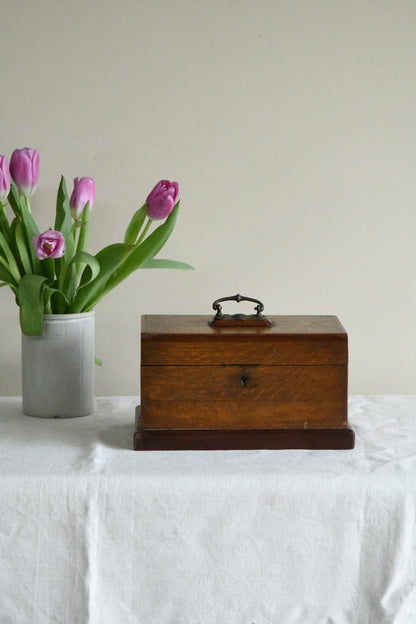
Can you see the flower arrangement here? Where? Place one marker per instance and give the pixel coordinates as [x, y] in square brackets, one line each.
[52, 272]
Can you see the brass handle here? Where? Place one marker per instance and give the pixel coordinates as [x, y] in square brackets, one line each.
[216, 305]
[250, 320]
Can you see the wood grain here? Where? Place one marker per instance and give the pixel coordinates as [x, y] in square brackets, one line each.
[188, 339]
[268, 396]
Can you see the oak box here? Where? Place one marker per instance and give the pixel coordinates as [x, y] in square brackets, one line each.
[241, 384]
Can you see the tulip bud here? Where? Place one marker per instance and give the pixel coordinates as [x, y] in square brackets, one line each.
[24, 168]
[4, 179]
[50, 244]
[162, 199]
[84, 192]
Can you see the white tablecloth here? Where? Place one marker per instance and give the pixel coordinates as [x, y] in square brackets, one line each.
[94, 532]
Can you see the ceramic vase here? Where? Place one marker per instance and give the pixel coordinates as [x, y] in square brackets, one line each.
[58, 367]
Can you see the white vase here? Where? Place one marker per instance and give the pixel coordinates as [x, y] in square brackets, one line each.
[58, 367]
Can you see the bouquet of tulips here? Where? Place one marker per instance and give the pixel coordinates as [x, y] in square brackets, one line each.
[52, 272]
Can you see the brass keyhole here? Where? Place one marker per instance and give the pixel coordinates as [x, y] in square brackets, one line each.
[243, 380]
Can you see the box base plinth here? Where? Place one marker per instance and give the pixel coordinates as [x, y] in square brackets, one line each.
[335, 438]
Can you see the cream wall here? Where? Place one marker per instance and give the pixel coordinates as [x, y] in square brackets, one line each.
[291, 127]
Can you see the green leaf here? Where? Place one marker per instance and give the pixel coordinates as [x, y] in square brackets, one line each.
[7, 255]
[69, 286]
[145, 251]
[50, 294]
[159, 263]
[109, 260]
[98, 362]
[21, 246]
[63, 223]
[63, 216]
[4, 222]
[135, 225]
[91, 271]
[83, 257]
[30, 230]
[14, 200]
[58, 302]
[6, 276]
[30, 299]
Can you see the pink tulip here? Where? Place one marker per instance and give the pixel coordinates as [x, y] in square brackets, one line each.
[162, 199]
[4, 179]
[84, 192]
[50, 244]
[24, 169]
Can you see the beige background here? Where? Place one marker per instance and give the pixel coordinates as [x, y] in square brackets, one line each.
[291, 127]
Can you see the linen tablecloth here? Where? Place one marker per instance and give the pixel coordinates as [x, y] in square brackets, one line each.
[93, 532]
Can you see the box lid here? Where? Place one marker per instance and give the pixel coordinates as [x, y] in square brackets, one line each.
[291, 340]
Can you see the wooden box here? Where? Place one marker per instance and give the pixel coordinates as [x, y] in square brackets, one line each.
[239, 386]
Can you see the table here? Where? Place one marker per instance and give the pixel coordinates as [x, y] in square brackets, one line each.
[94, 532]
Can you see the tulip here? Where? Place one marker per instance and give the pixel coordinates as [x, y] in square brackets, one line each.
[162, 199]
[24, 168]
[83, 193]
[4, 179]
[50, 244]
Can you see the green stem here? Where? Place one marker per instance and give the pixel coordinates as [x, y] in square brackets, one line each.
[84, 229]
[84, 232]
[143, 234]
[27, 202]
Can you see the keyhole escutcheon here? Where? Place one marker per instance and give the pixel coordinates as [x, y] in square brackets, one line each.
[243, 380]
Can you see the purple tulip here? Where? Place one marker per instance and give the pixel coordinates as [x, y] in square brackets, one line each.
[50, 244]
[84, 192]
[162, 199]
[4, 179]
[24, 169]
